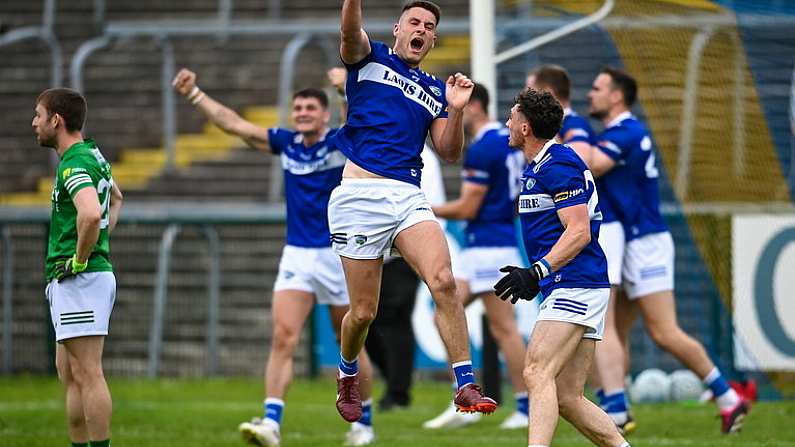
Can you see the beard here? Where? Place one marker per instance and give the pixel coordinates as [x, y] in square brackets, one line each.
[598, 114]
[47, 141]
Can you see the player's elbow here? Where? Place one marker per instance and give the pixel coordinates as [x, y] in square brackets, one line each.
[449, 155]
[90, 217]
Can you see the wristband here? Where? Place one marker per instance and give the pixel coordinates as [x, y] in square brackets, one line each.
[77, 266]
[198, 98]
[542, 268]
[193, 93]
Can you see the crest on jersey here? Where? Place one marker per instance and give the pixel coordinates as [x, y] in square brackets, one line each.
[436, 90]
[530, 183]
[360, 239]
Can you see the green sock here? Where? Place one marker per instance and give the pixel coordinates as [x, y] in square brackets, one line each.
[105, 443]
[79, 444]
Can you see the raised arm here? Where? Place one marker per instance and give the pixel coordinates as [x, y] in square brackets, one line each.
[354, 43]
[448, 133]
[220, 115]
[465, 207]
[337, 77]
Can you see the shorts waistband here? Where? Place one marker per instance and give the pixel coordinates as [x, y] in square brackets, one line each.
[377, 182]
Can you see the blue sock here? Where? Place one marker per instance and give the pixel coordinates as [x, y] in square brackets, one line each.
[348, 368]
[615, 402]
[600, 397]
[463, 373]
[522, 403]
[716, 382]
[367, 413]
[273, 409]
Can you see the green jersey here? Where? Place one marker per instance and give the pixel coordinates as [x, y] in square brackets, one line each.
[82, 166]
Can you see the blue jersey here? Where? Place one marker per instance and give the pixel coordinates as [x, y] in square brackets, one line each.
[310, 174]
[390, 110]
[491, 162]
[557, 178]
[631, 186]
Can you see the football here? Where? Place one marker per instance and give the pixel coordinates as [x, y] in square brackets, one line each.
[651, 385]
[685, 385]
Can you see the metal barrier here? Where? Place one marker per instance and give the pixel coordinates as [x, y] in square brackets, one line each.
[46, 34]
[8, 299]
[175, 217]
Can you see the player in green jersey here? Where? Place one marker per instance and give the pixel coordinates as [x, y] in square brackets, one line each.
[81, 286]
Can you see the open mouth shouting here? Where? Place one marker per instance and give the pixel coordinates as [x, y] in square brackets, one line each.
[417, 44]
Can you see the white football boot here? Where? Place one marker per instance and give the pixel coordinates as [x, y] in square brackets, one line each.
[450, 418]
[359, 434]
[262, 432]
[517, 419]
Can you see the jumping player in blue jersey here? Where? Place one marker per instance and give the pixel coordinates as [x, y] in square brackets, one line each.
[560, 217]
[309, 270]
[392, 106]
[625, 162]
[577, 133]
[489, 188]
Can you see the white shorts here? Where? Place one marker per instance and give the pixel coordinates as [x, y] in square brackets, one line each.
[585, 307]
[611, 238]
[366, 215]
[649, 265]
[480, 266]
[81, 306]
[314, 270]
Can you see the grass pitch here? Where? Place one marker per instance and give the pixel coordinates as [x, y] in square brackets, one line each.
[206, 412]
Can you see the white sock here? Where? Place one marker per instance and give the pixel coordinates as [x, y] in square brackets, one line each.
[625, 444]
[727, 400]
[618, 418]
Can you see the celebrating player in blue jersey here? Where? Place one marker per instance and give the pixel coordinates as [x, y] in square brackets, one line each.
[560, 217]
[490, 185]
[309, 270]
[577, 133]
[392, 105]
[625, 161]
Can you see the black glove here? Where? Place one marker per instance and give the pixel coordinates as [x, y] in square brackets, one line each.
[68, 267]
[518, 284]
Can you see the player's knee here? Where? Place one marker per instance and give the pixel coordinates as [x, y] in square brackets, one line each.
[501, 329]
[362, 315]
[442, 286]
[285, 338]
[664, 337]
[535, 375]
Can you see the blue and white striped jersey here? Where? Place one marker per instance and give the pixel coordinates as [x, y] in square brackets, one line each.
[555, 179]
[310, 174]
[491, 162]
[390, 109]
[631, 187]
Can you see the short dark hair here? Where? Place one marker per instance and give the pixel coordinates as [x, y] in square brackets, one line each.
[68, 103]
[480, 94]
[623, 81]
[312, 92]
[542, 110]
[424, 4]
[555, 78]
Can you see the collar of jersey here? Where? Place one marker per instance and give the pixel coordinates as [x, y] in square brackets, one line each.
[617, 120]
[486, 127]
[87, 143]
[322, 139]
[543, 151]
[567, 112]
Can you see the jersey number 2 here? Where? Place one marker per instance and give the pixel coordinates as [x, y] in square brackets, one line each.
[103, 187]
